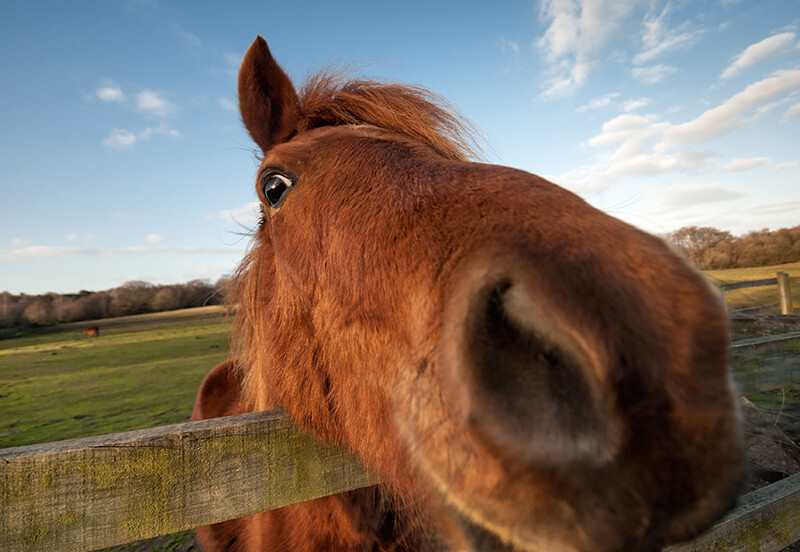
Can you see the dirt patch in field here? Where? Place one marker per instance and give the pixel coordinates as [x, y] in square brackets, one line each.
[743, 326]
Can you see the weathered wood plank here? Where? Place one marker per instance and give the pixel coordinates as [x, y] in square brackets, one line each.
[85, 494]
[751, 283]
[765, 363]
[766, 520]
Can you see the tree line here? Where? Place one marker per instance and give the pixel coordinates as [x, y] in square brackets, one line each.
[713, 249]
[134, 297]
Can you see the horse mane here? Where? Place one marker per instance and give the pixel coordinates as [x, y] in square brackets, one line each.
[330, 98]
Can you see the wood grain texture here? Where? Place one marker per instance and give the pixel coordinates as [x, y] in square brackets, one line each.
[785, 292]
[766, 520]
[100, 491]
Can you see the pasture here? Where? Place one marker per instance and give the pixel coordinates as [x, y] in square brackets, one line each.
[142, 371]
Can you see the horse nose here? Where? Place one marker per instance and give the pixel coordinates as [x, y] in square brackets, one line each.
[519, 374]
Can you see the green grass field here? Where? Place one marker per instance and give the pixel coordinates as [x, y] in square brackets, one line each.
[751, 297]
[142, 371]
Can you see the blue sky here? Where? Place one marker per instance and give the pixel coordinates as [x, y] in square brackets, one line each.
[122, 155]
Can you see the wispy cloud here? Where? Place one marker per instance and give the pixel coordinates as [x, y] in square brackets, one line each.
[685, 195]
[731, 114]
[784, 166]
[191, 40]
[508, 46]
[775, 208]
[121, 139]
[653, 74]
[155, 239]
[658, 39]
[792, 113]
[44, 252]
[760, 51]
[633, 105]
[740, 165]
[577, 30]
[228, 104]
[111, 93]
[246, 215]
[19, 242]
[598, 103]
[151, 103]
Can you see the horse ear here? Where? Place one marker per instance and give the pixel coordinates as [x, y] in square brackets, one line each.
[267, 98]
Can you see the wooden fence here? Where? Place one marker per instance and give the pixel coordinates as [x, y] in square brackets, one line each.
[782, 280]
[90, 493]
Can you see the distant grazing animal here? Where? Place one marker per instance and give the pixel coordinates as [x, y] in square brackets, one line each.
[522, 371]
[94, 331]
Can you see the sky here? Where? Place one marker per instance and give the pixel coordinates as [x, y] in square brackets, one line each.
[123, 157]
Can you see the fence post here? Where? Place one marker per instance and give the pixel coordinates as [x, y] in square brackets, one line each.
[785, 290]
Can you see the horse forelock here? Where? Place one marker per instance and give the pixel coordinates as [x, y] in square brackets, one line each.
[331, 98]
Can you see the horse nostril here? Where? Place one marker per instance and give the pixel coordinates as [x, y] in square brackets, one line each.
[528, 393]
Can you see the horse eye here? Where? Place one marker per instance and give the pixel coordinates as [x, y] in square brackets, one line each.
[275, 189]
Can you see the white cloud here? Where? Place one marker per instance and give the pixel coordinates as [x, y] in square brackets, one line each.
[774, 208]
[653, 74]
[155, 238]
[44, 252]
[722, 119]
[633, 105]
[758, 52]
[507, 45]
[246, 215]
[234, 60]
[659, 40]
[739, 165]
[119, 139]
[784, 166]
[598, 103]
[71, 238]
[792, 113]
[566, 81]
[160, 130]
[227, 104]
[684, 195]
[150, 102]
[576, 32]
[19, 242]
[191, 40]
[111, 94]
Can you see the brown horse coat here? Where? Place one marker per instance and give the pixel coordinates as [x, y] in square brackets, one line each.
[523, 371]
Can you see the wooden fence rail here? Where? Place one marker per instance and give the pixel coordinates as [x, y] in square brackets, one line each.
[782, 280]
[90, 493]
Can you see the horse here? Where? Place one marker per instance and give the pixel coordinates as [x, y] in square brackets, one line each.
[522, 371]
[93, 331]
